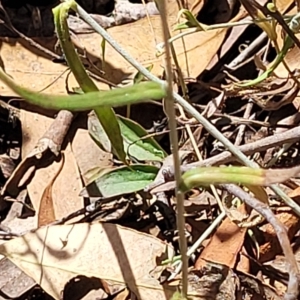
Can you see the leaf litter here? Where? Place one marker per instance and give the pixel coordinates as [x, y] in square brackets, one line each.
[260, 120]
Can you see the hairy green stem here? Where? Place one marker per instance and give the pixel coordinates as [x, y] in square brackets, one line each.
[137, 93]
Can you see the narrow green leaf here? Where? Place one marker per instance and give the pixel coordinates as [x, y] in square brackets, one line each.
[142, 149]
[184, 25]
[119, 181]
[106, 115]
[103, 47]
[191, 20]
[139, 77]
[177, 296]
[98, 134]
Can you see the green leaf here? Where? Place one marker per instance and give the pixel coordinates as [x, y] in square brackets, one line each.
[141, 149]
[92, 99]
[184, 25]
[191, 21]
[220, 175]
[106, 115]
[134, 94]
[119, 181]
[177, 296]
[103, 47]
[98, 134]
[139, 77]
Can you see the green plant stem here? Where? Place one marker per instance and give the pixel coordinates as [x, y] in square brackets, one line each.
[170, 111]
[187, 107]
[220, 26]
[137, 93]
[106, 115]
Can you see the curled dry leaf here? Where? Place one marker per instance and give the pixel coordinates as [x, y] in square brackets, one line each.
[67, 186]
[46, 213]
[271, 247]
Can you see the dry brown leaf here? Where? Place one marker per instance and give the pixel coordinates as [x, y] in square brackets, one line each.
[46, 213]
[24, 62]
[259, 193]
[31, 69]
[295, 193]
[225, 244]
[89, 159]
[136, 40]
[280, 175]
[244, 263]
[238, 30]
[197, 5]
[292, 60]
[53, 255]
[140, 39]
[271, 246]
[65, 190]
[282, 5]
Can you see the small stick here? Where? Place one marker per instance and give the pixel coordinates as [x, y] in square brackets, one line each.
[266, 212]
[289, 136]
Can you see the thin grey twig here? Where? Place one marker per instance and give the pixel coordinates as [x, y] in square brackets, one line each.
[289, 136]
[242, 128]
[198, 243]
[243, 57]
[248, 52]
[265, 211]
